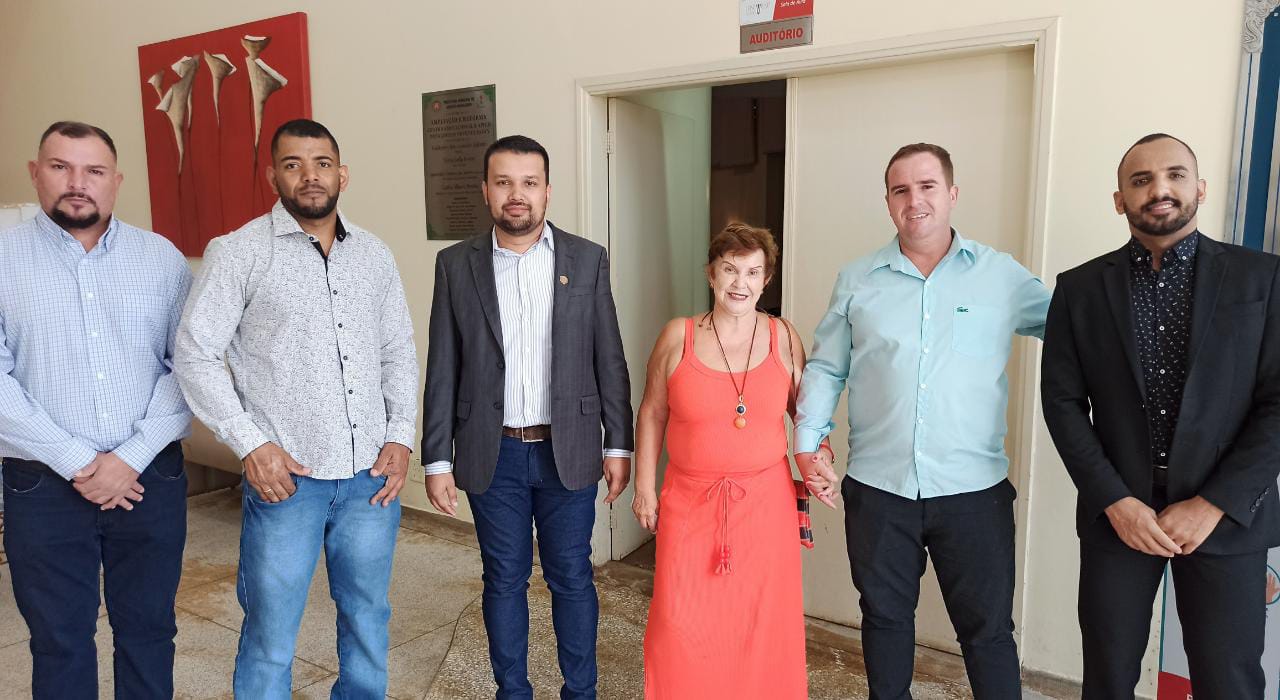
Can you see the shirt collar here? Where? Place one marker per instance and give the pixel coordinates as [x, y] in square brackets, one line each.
[283, 223]
[546, 236]
[105, 242]
[1183, 252]
[891, 255]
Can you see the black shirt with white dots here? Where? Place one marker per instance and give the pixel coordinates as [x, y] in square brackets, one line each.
[1162, 322]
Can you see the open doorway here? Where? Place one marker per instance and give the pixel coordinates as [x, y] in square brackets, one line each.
[682, 164]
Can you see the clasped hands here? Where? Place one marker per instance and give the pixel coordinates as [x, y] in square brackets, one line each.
[819, 474]
[1178, 529]
[108, 482]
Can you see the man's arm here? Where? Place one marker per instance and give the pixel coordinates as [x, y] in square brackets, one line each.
[825, 372]
[399, 363]
[25, 425]
[1031, 299]
[213, 312]
[611, 370]
[1065, 398]
[167, 418]
[1251, 466]
[440, 393]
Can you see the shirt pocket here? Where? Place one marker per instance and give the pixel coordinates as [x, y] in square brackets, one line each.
[977, 330]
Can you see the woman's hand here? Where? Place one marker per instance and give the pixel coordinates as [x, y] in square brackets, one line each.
[645, 507]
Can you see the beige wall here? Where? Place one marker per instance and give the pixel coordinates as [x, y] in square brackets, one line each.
[1125, 68]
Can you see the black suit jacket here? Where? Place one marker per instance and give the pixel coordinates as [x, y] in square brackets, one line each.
[462, 405]
[1226, 445]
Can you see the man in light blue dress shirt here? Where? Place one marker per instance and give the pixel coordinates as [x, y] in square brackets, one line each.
[920, 333]
[90, 418]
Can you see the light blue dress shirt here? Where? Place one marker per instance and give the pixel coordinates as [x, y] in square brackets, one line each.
[86, 345]
[924, 362]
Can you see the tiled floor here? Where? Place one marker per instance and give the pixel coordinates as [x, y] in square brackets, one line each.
[438, 647]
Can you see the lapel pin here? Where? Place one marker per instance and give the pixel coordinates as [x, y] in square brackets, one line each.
[564, 279]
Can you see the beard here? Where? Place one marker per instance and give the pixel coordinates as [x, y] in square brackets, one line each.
[71, 222]
[309, 211]
[529, 223]
[1183, 214]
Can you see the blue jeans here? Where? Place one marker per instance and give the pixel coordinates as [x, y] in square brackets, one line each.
[279, 546]
[526, 490]
[57, 542]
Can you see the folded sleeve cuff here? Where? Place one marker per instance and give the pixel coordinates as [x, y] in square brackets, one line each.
[242, 436]
[808, 439]
[401, 432]
[77, 456]
[441, 467]
[136, 453]
[627, 454]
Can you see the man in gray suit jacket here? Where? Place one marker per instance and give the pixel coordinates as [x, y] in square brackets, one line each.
[524, 367]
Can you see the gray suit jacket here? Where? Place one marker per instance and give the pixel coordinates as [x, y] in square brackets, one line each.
[462, 405]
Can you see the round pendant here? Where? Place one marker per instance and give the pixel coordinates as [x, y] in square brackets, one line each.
[741, 409]
[739, 422]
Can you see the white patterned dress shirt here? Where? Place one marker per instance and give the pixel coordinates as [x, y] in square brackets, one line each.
[86, 345]
[319, 354]
[526, 290]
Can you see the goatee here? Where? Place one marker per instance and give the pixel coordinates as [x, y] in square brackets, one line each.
[1162, 227]
[309, 211]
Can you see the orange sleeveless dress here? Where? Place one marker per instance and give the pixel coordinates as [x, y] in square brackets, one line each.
[727, 616]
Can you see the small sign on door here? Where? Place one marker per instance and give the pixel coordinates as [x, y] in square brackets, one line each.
[773, 24]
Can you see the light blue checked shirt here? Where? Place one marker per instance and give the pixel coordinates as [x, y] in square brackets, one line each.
[924, 361]
[86, 345]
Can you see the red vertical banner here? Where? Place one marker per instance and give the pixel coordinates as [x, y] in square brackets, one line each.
[210, 104]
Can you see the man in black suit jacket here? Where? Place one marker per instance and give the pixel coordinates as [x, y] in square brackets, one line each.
[1161, 389]
[524, 367]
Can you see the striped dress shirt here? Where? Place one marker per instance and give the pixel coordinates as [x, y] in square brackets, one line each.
[86, 345]
[526, 289]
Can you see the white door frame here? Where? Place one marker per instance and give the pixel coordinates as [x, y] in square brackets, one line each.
[1041, 34]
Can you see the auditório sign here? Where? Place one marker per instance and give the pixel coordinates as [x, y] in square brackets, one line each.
[773, 24]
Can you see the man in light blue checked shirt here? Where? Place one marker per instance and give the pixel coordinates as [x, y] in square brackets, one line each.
[920, 333]
[90, 418]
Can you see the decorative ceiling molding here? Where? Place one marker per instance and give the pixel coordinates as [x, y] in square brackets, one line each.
[1255, 18]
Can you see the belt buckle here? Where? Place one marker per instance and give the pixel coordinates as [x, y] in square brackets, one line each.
[525, 439]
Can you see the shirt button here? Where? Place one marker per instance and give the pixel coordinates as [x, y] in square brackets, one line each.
[1161, 327]
[1161, 371]
[354, 426]
[106, 415]
[922, 386]
[920, 421]
[1162, 411]
[88, 295]
[335, 291]
[93, 334]
[919, 454]
[101, 375]
[497, 405]
[926, 351]
[926, 317]
[339, 325]
[1161, 284]
[345, 358]
[351, 391]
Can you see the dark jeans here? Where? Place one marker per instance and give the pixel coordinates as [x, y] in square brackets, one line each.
[970, 538]
[526, 491]
[57, 542]
[1221, 605]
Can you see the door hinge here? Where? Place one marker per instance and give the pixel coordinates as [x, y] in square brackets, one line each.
[609, 142]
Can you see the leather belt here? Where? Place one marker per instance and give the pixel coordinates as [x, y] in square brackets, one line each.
[529, 433]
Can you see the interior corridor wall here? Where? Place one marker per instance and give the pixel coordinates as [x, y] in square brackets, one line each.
[1124, 69]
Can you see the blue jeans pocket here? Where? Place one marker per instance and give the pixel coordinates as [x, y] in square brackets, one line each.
[20, 482]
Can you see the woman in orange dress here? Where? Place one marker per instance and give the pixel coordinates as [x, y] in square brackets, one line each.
[727, 616]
